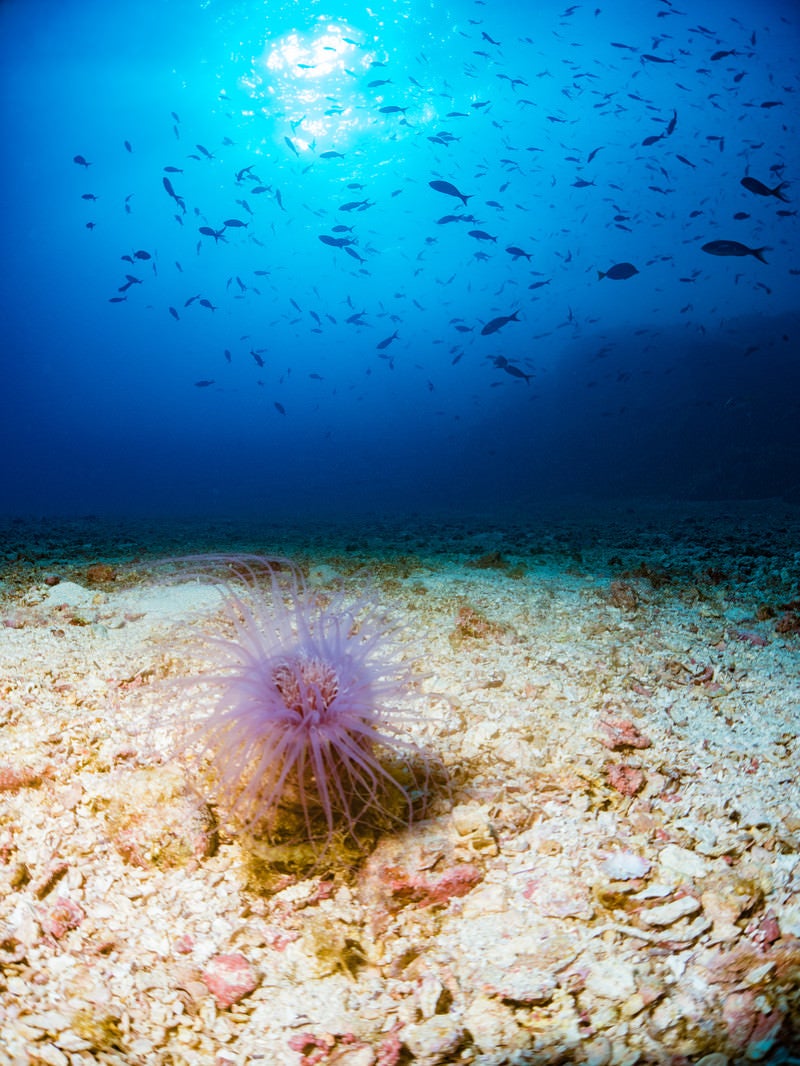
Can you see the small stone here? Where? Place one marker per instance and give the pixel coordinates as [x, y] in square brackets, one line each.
[614, 979]
[598, 1052]
[468, 818]
[100, 574]
[627, 780]
[671, 912]
[521, 982]
[556, 896]
[434, 1040]
[621, 733]
[51, 1055]
[63, 914]
[49, 1021]
[723, 913]
[716, 1058]
[69, 1040]
[493, 1025]
[684, 862]
[229, 978]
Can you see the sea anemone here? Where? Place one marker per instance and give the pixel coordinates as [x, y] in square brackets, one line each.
[313, 697]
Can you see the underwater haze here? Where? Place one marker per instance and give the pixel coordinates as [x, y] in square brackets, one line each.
[295, 258]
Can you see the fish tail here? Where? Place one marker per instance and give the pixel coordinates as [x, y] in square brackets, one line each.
[778, 191]
[600, 275]
[759, 253]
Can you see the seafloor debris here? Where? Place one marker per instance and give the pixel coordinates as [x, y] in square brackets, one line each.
[614, 878]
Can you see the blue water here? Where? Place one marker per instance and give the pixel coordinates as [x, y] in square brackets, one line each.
[679, 381]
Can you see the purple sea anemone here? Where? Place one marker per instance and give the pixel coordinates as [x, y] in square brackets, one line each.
[309, 733]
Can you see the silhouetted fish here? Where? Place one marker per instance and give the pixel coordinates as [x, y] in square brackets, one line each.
[497, 323]
[618, 272]
[760, 189]
[387, 341]
[734, 248]
[449, 190]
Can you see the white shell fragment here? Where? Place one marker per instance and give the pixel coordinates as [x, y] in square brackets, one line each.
[625, 865]
[669, 913]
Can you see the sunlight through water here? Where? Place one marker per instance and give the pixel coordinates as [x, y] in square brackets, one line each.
[312, 82]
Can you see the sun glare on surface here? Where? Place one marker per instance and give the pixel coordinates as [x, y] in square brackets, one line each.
[309, 81]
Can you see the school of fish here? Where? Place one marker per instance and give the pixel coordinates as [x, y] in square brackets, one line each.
[504, 207]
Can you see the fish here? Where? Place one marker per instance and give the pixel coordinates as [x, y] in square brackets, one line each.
[279, 408]
[331, 155]
[227, 355]
[760, 189]
[257, 357]
[171, 192]
[392, 109]
[217, 234]
[335, 242]
[450, 190]
[386, 341]
[79, 159]
[205, 151]
[497, 323]
[734, 248]
[174, 314]
[517, 373]
[204, 383]
[618, 272]
[208, 304]
[291, 144]
[234, 222]
[518, 253]
[481, 235]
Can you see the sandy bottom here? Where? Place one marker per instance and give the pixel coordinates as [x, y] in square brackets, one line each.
[612, 875]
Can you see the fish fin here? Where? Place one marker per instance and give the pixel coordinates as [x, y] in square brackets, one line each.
[759, 253]
[600, 275]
